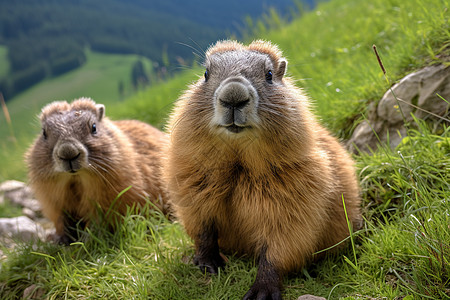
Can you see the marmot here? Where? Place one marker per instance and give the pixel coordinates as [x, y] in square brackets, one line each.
[82, 161]
[251, 171]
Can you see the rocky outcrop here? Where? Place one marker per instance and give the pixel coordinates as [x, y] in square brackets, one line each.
[18, 193]
[417, 94]
[31, 226]
[21, 228]
[310, 297]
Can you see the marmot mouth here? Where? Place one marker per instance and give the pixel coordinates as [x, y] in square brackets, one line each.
[235, 128]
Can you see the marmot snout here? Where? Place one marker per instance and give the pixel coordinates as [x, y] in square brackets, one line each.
[235, 102]
[69, 156]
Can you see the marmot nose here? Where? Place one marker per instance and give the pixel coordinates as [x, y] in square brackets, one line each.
[68, 152]
[234, 103]
[234, 95]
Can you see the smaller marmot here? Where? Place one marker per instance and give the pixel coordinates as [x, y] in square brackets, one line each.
[251, 171]
[82, 161]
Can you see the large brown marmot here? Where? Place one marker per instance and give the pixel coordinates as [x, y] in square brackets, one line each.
[251, 171]
[82, 161]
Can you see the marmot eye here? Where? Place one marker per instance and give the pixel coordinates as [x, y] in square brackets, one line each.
[269, 76]
[44, 133]
[94, 128]
[206, 75]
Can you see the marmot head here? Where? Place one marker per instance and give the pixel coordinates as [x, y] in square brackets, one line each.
[70, 134]
[243, 85]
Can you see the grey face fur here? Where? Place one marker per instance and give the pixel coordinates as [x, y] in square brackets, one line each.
[239, 80]
[67, 135]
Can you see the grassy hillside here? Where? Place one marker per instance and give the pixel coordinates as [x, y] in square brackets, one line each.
[154, 104]
[401, 253]
[99, 79]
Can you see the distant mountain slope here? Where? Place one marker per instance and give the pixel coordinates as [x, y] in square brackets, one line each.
[47, 38]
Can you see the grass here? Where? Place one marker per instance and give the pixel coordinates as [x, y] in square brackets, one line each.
[8, 211]
[401, 253]
[407, 194]
[154, 104]
[146, 258]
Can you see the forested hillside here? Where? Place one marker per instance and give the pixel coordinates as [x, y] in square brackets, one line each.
[47, 38]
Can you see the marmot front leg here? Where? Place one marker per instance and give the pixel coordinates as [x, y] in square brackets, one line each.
[207, 256]
[66, 229]
[268, 282]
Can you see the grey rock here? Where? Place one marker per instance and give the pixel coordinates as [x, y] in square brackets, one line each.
[29, 213]
[391, 110]
[310, 297]
[33, 292]
[18, 193]
[11, 185]
[419, 89]
[415, 94]
[31, 204]
[21, 228]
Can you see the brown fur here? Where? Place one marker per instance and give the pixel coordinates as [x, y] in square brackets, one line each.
[275, 187]
[118, 155]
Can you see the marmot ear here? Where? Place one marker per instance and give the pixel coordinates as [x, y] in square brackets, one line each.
[281, 70]
[100, 111]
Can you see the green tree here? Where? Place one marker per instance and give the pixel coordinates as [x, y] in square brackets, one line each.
[138, 75]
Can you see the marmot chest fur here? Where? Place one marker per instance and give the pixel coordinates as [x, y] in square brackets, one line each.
[251, 171]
